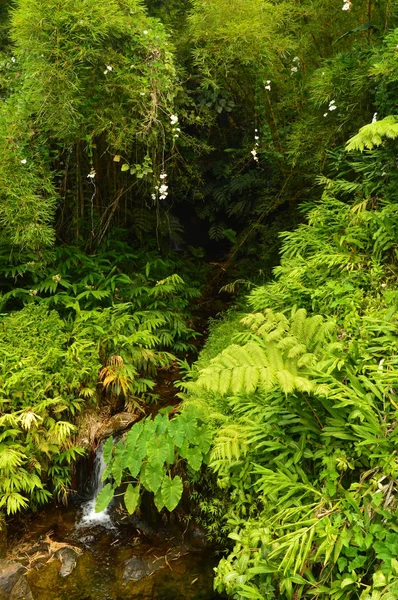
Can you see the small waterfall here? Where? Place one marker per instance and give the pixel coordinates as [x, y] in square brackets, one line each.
[89, 516]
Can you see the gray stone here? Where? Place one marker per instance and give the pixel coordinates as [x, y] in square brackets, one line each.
[21, 590]
[68, 558]
[137, 568]
[115, 424]
[10, 573]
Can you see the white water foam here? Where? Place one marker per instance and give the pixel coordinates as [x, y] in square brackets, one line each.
[89, 517]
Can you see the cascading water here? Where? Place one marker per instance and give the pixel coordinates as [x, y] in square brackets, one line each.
[89, 517]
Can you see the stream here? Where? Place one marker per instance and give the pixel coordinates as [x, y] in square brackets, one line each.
[73, 553]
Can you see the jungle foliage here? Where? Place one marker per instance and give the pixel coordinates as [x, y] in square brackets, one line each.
[303, 403]
[140, 141]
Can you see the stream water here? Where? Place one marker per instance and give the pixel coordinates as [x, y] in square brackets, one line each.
[89, 517]
[76, 554]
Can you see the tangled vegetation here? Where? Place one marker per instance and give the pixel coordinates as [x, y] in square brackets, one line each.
[151, 152]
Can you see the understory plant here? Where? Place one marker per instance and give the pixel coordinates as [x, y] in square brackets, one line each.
[83, 330]
[303, 404]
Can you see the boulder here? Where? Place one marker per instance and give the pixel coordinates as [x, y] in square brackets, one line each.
[3, 537]
[10, 573]
[21, 590]
[115, 425]
[137, 568]
[68, 558]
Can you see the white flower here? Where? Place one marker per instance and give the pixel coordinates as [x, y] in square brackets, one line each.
[374, 118]
[325, 114]
[254, 154]
[296, 59]
[178, 129]
[163, 196]
[256, 130]
[163, 188]
[256, 137]
[268, 87]
[173, 119]
[332, 107]
[294, 69]
[92, 174]
[13, 59]
[268, 81]
[153, 196]
[142, 93]
[109, 68]
[56, 278]
[145, 32]
[346, 6]
[156, 187]
[176, 135]
[163, 176]
[23, 161]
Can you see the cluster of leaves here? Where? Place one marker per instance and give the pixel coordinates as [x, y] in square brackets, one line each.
[46, 379]
[303, 403]
[149, 453]
[304, 446]
[91, 327]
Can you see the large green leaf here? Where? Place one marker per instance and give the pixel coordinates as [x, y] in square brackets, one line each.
[171, 491]
[177, 431]
[152, 476]
[134, 465]
[194, 458]
[131, 498]
[118, 463]
[108, 449]
[132, 437]
[104, 497]
[157, 450]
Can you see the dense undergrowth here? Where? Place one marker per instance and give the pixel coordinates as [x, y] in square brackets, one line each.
[90, 331]
[148, 152]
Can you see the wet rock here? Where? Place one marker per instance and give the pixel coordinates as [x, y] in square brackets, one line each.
[87, 540]
[21, 590]
[3, 537]
[137, 568]
[116, 424]
[198, 539]
[68, 558]
[10, 573]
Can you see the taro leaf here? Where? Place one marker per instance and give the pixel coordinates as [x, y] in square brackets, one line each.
[171, 492]
[157, 451]
[194, 458]
[177, 431]
[184, 449]
[131, 498]
[169, 445]
[118, 463]
[203, 439]
[104, 497]
[142, 442]
[190, 426]
[108, 449]
[134, 465]
[158, 499]
[132, 437]
[161, 423]
[153, 476]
